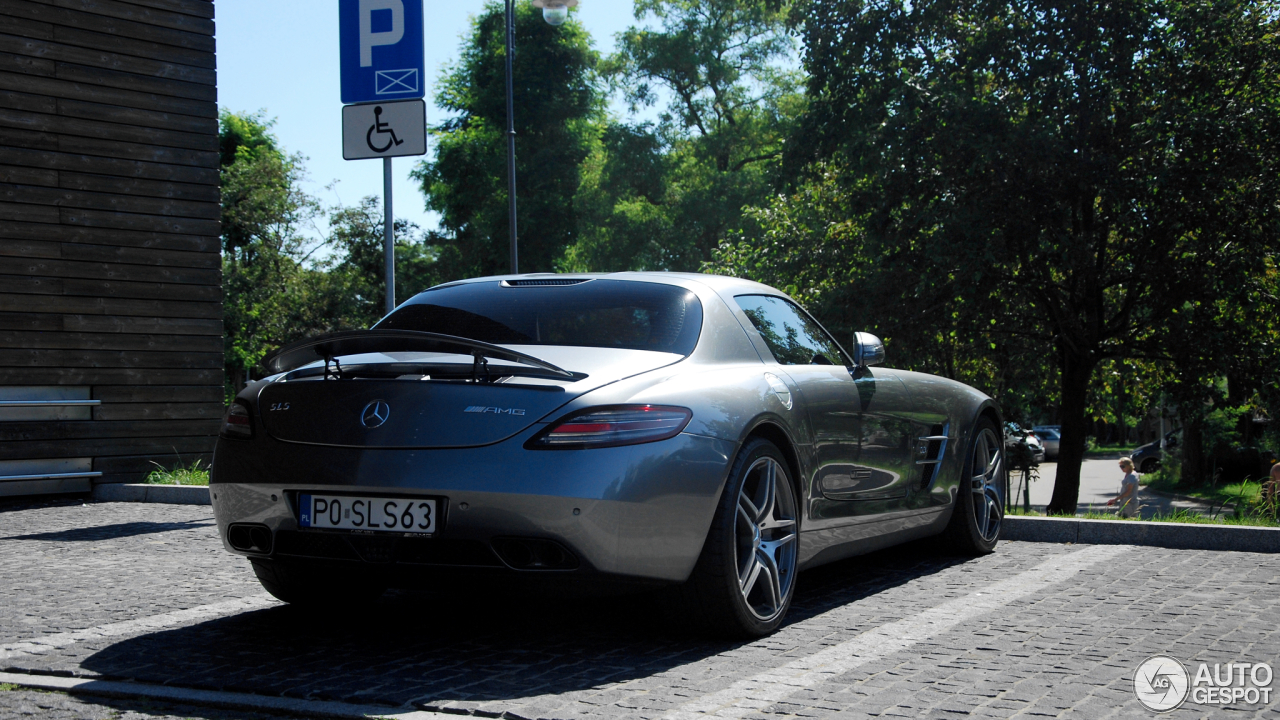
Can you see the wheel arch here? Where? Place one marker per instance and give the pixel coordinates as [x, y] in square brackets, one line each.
[990, 410]
[987, 409]
[960, 533]
[768, 429]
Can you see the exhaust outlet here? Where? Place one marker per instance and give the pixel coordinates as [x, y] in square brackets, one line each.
[250, 537]
[534, 554]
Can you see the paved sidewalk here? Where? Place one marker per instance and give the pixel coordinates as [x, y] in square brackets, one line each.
[1099, 482]
[145, 593]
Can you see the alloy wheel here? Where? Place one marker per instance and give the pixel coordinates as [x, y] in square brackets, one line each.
[765, 535]
[986, 472]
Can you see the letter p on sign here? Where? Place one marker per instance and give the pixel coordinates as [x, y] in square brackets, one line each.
[380, 50]
[369, 38]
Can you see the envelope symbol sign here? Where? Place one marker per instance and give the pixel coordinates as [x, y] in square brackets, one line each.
[394, 82]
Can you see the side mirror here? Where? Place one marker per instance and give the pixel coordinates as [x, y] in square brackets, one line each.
[867, 350]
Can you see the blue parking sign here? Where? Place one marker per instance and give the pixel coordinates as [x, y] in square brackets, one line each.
[380, 47]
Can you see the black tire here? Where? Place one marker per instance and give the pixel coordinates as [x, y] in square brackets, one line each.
[1149, 466]
[316, 586]
[978, 513]
[744, 553]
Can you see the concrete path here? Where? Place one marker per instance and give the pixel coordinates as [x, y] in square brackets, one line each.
[1099, 482]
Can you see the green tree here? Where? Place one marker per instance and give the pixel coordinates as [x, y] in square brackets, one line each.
[623, 217]
[558, 106]
[663, 196]
[282, 283]
[263, 248]
[357, 267]
[1222, 359]
[1077, 173]
[813, 244]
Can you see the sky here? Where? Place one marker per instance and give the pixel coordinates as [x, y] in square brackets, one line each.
[281, 57]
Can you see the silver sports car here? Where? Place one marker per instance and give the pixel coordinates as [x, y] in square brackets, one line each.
[658, 428]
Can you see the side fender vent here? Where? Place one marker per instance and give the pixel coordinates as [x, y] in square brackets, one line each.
[930, 452]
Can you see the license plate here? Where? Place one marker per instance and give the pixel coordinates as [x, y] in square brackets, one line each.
[343, 512]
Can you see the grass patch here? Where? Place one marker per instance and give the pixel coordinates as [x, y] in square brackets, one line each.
[8, 687]
[1122, 449]
[1177, 516]
[194, 475]
[1248, 492]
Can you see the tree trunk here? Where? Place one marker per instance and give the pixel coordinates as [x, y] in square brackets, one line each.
[1193, 464]
[1077, 371]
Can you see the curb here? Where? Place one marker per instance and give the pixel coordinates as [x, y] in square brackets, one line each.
[218, 698]
[167, 494]
[1175, 536]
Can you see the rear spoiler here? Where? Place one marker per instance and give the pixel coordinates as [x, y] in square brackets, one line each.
[355, 342]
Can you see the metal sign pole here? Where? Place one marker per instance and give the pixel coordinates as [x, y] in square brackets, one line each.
[388, 235]
[382, 85]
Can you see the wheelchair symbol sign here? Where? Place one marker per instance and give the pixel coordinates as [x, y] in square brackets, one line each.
[382, 129]
[389, 129]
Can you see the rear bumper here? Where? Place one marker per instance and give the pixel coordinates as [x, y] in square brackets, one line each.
[639, 512]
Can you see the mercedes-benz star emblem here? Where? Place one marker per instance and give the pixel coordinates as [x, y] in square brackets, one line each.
[375, 414]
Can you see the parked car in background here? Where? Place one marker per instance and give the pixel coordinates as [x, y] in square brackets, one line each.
[1148, 457]
[1050, 436]
[1014, 436]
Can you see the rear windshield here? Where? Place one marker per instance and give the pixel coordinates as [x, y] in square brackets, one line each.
[597, 313]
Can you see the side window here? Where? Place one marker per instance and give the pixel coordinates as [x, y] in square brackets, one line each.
[792, 337]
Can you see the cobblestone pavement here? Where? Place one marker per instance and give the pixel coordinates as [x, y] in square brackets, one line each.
[145, 593]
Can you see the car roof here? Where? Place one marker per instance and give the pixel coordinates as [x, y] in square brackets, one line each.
[724, 284]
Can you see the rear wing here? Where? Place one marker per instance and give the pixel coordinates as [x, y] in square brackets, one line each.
[355, 342]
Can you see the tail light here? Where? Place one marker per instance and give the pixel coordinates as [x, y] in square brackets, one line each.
[614, 426]
[238, 424]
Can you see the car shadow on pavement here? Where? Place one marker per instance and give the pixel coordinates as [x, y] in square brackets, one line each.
[112, 532]
[432, 648]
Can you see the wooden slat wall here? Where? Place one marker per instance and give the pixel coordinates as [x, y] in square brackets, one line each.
[110, 272]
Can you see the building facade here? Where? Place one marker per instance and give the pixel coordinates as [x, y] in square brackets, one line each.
[110, 280]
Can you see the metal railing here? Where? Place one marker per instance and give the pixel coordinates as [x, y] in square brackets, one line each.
[50, 476]
[47, 403]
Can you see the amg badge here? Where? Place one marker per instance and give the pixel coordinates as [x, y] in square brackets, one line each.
[494, 410]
